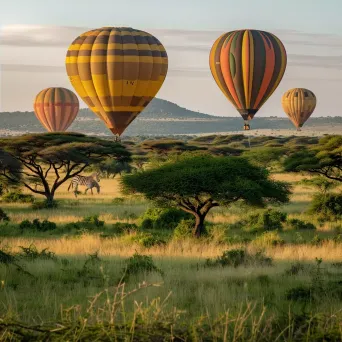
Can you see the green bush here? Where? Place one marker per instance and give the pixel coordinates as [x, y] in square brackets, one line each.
[32, 253]
[89, 223]
[43, 226]
[184, 229]
[93, 220]
[328, 207]
[299, 293]
[146, 224]
[162, 218]
[239, 257]
[39, 205]
[140, 264]
[17, 197]
[296, 224]
[266, 220]
[148, 240]
[3, 216]
[123, 228]
[118, 200]
[268, 239]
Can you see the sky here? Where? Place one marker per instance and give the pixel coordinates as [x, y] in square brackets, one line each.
[35, 35]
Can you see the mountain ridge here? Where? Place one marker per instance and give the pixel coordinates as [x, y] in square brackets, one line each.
[160, 117]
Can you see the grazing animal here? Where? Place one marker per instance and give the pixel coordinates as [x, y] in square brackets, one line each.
[89, 182]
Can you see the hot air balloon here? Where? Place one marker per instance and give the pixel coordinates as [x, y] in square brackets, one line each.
[299, 104]
[248, 66]
[56, 108]
[117, 71]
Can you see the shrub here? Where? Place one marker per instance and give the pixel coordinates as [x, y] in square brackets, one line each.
[300, 225]
[239, 257]
[146, 224]
[316, 241]
[163, 218]
[328, 207]
[37, 225]
[140, 263]
[32, 253]
[17, 197]
[3, 216]
[184, 229]
[148, 240]
[266, 220]
[118, 200]
[299, 293]
[295, 269]
[123, 228]
[91, 221]
[268, 239]
[38, 205]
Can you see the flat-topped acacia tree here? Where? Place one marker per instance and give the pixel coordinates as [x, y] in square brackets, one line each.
[324, 158]
[51, 159]
[196, 184]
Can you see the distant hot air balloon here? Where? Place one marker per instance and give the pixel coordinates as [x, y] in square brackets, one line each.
[117, 71]
[248, 66]
[299, 104]
[56, 108]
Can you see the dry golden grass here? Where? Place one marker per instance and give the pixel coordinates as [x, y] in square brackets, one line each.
[109, 189]
[87, 244]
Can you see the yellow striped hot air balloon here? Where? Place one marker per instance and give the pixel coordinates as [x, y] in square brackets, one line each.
[248, 66]
[117, 71]
[299, 104]
[56, 108]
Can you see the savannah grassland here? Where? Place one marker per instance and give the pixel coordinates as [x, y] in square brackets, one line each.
[73, 294]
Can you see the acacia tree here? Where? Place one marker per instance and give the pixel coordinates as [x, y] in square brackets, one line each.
[111, 167]
[264, 156]
[51, 159]
[324, 159]
[196, 184]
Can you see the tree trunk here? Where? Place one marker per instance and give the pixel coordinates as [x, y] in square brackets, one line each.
[49, 200]
[199, 228]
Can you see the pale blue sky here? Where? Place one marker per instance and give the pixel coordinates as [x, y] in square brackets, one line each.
[35, 35]
[312, 16]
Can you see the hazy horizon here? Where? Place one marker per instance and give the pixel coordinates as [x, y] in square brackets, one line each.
[32, 53]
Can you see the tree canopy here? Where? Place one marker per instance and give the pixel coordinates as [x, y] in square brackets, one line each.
[325, 158]
[50, 159]
[196, 184]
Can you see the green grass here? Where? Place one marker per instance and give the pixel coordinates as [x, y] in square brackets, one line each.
[248, 301]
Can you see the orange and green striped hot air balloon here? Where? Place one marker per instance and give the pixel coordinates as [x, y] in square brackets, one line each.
[117, 71]
[56, 108]
[248, 66]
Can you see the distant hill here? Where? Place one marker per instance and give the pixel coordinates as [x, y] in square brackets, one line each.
[161, 109]
[162, 117]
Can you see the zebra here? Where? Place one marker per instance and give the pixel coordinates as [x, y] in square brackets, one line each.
[89, 181]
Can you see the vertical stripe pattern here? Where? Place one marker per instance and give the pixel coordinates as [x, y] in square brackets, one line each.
[117, 71]
[299, 104]
[56, 108]
[248, 66]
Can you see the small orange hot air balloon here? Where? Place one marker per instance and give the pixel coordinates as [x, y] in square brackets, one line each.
[56, 108]
[299, 104]
[116, 71]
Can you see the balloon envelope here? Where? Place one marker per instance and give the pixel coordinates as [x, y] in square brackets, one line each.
[299, 104]
[248, 66]
[56, 108]
[117, 72]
